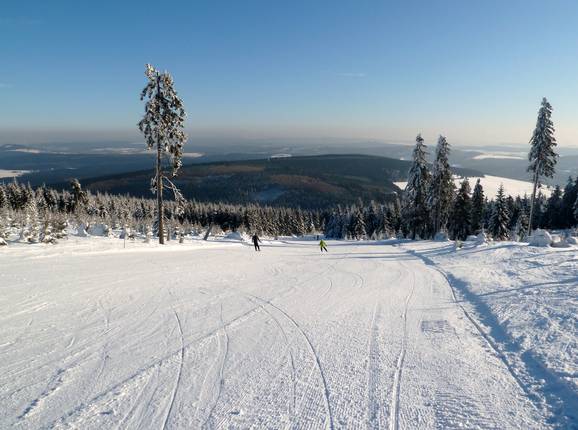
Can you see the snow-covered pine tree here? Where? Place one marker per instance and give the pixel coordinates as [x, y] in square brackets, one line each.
[460, 223]
[441, 190]
[414, 207]
[163, 127]
[3, 198]
[500, 218]
[521, 227]
[542, 156]
[478, 203]
[570, 196]
[31, 230]
[79, 196]
[4, 225]
[372, 221]
[46, 235]
[553, 213]
[357, 226]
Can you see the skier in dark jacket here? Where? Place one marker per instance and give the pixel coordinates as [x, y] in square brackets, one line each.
[256, 241]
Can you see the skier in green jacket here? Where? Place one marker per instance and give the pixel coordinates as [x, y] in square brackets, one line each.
[323, 245]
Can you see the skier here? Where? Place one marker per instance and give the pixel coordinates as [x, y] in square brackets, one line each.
[256, 241]
[323, 245]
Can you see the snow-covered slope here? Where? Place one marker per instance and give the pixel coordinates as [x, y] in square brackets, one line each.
[512, 187]
[215, 335]
[527, 300]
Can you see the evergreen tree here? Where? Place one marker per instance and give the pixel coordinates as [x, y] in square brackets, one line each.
[414, 210]
[79, 196]
[500, 218]
[460, 226]
[3, 198]
[357, 226]
[570, 196]
[542, 156]
[441, 190]
[553, 213]
[163, 127]
[521, 227]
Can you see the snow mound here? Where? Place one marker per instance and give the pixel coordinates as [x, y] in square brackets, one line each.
[235, 235]
[482, 238]
[99, 230]
[81, 230]
[441, 236]
[540, 238]
[472, 238]
[571, 240]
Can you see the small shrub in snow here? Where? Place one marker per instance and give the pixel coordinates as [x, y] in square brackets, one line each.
[46, 235]
[59, 228]
[148, 234]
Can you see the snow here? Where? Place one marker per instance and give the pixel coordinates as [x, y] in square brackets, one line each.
[12, 173]
[501, 155]
[210, 334]
[540, 237]
[512, 187]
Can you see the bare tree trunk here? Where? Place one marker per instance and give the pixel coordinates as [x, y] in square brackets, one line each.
[160, 206]
[532, 202]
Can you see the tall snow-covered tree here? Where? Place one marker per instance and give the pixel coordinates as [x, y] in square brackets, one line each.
[163, 128]
[542, 156]
[460, 223]
[498, 227]
[414, 205]
[441, 190]
[478, 203]
[357, 226]
[79, 196]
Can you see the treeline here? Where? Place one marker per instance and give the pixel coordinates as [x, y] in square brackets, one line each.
[25, 208]
[432, 205]
[43, 215]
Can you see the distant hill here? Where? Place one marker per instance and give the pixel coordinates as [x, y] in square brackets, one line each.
[309, 182]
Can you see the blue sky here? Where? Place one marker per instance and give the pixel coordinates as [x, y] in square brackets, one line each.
[475, 71]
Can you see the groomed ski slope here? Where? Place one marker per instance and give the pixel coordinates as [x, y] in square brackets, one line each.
[215, 335]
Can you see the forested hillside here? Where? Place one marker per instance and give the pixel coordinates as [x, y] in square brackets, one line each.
[308, 182]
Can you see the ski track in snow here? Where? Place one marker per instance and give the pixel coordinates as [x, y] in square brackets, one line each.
[368, 335]
[394, 409]
[180, 368]
[315, 357]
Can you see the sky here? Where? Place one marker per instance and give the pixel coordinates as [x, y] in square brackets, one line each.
[361, 69]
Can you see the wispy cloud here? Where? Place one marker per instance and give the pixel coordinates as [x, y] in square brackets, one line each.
[352, 75]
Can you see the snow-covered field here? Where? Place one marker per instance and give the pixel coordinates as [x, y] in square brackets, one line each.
[408, 335]
[512, 187]
[12, 173]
